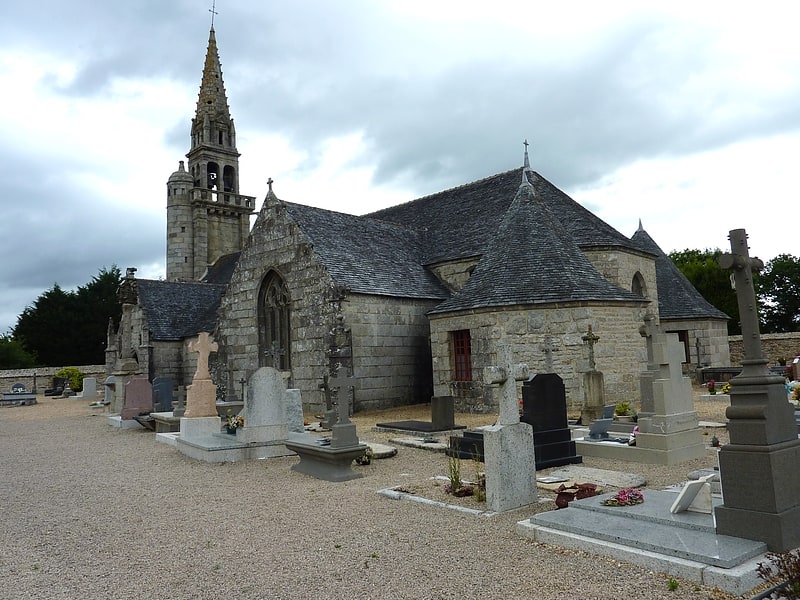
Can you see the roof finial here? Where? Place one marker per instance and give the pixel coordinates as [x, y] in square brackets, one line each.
[270, 181]
[640, 225]
[213, 12]
[526, 165]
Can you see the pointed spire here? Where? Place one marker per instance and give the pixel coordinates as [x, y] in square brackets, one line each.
[640, 225]
[212, 101]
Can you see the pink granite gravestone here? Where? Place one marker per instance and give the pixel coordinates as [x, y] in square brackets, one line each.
[138, 398]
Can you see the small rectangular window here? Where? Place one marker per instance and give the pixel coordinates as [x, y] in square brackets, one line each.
[462, 355]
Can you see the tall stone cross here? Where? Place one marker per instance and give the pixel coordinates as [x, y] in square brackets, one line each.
[203, 345]
[590, 339]
[742, 265]
[507, 375]
[342, 385]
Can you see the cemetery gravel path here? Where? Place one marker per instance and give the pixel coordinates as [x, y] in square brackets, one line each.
[90, 511]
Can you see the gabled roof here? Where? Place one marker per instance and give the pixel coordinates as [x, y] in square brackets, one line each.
[178, 310]
[459, 222]
[677, 297]
[531, 260]
[367, 256]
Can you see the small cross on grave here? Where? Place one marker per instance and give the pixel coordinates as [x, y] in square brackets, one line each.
[590, 339]
[242, 383]
[697, 348]
[203, 345]
[507, 374]
[548, 347]
[275, 352]
[342, 385]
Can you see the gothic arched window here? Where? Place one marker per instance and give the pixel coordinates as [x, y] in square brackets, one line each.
[638, 286]
[274, 335]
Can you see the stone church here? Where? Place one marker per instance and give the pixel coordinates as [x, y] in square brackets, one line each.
[413, 300]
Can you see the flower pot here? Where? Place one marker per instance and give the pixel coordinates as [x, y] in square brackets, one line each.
[624, 418]
[230, 430]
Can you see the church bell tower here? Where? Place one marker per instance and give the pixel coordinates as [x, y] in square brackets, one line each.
[207, 217]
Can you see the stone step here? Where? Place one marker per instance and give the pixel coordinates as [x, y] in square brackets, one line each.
[651, 527]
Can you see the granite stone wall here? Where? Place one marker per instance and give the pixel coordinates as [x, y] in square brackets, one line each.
[621, 267]
[44, 376]
[620, 352]
[776, 346]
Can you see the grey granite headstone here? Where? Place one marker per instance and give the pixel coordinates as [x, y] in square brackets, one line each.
[294, 411]
[163, 387]
[89, 388]
[110, 389]
[264, 408]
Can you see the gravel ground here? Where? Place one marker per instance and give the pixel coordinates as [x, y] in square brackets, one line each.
[90, 511]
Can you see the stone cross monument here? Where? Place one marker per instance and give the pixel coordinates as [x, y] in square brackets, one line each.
[343, 433]
[201, 395]
[508, 446]
[593, 383]
[758, 469]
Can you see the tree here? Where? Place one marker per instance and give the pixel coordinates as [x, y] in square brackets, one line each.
[69, 328]
[778, 289]
[713, 282]
[13, 355]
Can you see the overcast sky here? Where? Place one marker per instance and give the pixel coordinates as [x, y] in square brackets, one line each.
[686, 117]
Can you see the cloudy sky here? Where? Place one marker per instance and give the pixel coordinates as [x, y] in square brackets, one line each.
[686, 117]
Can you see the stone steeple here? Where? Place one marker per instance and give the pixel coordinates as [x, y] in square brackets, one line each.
[207, 218]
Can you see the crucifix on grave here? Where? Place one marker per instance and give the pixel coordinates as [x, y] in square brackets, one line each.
[344, 431]
[590, 339]
[760, 487]
[275, 352]
[329, 418]
[507, 375]
[548, 347]
[594, 395]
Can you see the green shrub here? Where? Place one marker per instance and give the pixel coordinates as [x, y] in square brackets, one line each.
[74, 376]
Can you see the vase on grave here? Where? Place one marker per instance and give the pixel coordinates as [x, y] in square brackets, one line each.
[230, 430]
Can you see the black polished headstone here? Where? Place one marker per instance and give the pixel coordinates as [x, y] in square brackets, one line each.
[163, 387]
[544, 404]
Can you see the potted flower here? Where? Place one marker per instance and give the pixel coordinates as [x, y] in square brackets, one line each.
[623, 411]
[712, 387]
[233, 422]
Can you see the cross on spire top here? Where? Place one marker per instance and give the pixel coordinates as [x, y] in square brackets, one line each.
[213, 11]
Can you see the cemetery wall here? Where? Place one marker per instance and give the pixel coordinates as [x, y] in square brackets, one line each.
[776, 346]
[391, 350]
[454, 274]
[277, 245]
[620, 268]
[44, 376]
[620, 352]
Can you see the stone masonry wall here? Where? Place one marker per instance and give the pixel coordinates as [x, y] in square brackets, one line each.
[713, 336]
[620, 352]
[391, 350]
[620, 267]
[44, 376]
[454, 274]
[277, 244]
[775, 346]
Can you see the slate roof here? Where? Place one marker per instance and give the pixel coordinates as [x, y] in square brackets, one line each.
[366, 255]
[177, 310]
[677, 297]
[222, 269]
[531, 259]
[460, 222]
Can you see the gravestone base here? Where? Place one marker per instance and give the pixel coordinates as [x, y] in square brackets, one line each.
[201, 399]
[510, 466]
[468, 446]
[166, 422]
[324, 462]
[262, 433]
[762, 499]
[200, 438]
[648, 456]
